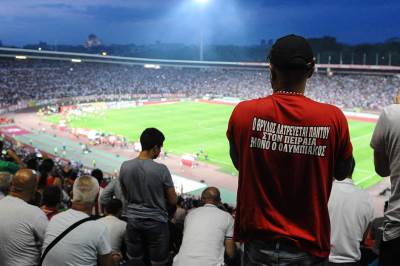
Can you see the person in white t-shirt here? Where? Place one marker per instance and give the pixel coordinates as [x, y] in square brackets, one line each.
[351, 211]
[385, 142]
[88, 243]
[22, 225]
[116, 227]
[207, 234]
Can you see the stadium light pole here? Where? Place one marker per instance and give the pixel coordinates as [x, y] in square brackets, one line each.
[202, 4]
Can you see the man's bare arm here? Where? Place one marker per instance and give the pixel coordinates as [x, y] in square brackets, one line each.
[344, 168]
[105, 260]
[230, 248]
[381, 162]
[171, 196]
[15, 157]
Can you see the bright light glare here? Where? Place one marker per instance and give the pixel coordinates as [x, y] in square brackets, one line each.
[203, 2]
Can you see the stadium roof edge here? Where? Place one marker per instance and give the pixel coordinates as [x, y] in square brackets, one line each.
[97, 58]
[83, 56]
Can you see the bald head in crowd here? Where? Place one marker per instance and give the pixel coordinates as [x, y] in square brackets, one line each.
[5, 182]
[211, 195]
[23, 184]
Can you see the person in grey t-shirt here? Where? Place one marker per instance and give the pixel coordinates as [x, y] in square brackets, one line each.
[386, 144]
[148, 189]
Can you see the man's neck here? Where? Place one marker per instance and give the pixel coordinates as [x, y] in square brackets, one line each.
[282, 86]
[210, 203]
[145, 155]
[82, 207]
[20, 196]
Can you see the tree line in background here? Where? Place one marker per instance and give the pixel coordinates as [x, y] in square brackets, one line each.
[327, 51]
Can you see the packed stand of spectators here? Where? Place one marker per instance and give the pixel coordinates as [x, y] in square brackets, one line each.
[47, 195]
[44, 80]
[293, 209]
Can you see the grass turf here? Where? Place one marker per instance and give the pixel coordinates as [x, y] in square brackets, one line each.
[191, 127]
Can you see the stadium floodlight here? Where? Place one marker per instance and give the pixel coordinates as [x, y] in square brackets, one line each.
[20, 57]
[153, 66]
[73, 60]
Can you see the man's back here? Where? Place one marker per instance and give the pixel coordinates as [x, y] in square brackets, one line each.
[288, 145]
[386, 139]
[22, 228]
[386, 144]
[81, 246]
[351, 211]
[206, 229]
[145, 182]
[116, 231]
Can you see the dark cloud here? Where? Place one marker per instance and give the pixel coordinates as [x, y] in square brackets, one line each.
[222, 21]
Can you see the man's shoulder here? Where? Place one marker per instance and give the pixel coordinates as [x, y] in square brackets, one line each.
[112, 220]
[252, 102]
[357, 194]
[324, 106]
[156, 166]
[20, 206]
[135, 161]
[209, 210]
[392, 111]
[132, 161]
[65, 219]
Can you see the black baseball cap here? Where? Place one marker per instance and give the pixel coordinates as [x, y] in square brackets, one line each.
[292, 52]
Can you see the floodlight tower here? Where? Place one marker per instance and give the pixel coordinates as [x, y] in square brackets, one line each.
[202, 4]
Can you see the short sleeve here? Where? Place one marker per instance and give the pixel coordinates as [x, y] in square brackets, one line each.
[345, 148]
[40, 225]
[167, 178]
[121, 174]
[378, 137]
[229, 131]
[108, 193]
[371, 214]
[103, 245]
[229, 231]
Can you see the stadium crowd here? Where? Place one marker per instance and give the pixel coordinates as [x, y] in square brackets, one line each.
[26, 80]
[297, 203]
[51, 184]
[54, 188]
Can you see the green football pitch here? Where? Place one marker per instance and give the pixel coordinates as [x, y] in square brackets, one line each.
[193, 127]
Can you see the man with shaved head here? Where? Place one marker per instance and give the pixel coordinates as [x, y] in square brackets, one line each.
[207, 234]
[22, 225]
[87, 244]
[5, 182]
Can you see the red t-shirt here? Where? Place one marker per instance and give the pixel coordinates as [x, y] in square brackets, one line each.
[288, 146]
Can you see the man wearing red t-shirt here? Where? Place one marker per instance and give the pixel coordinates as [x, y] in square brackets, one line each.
[287, 148]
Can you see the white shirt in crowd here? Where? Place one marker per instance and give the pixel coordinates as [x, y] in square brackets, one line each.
[206, 229]
[351, 211]
[81, 246]
[385, 140]
[116, 231]
[22, 228]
